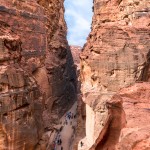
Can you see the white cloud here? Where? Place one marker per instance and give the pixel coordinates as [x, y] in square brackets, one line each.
[78, 16]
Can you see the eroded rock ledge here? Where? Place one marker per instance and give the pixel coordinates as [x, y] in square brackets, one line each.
[114, 59]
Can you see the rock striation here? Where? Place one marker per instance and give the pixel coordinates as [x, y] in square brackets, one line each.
[115, 76]
[20, 99]
[37, 74]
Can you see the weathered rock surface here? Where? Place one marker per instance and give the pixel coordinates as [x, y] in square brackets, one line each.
[80, 129]
[116, 56]
[21, 123]
[76, 50]
[37, 74]
[59, 64]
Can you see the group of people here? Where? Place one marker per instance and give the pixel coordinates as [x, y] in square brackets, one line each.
[69, 116]
[58, 140]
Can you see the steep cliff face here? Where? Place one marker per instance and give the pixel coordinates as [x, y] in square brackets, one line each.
[76, 50]
[116, 56]
[37, 75]
[59, 63]
[21, 123]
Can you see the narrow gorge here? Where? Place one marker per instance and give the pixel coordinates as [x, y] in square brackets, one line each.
[42, 77]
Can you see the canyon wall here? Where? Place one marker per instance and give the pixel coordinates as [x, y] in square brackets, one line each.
[76, 50]
[115, 76]
[80, 128]
[59, 63]
[37, 74]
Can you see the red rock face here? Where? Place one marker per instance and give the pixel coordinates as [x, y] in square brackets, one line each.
[20, 99]
[76, 50]
[136, 134]
[37, 75]
[131, 130]
[116, 56]
[59, 64]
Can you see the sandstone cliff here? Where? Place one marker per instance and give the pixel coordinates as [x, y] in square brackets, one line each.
[37, 74]
[114, 59]
[76, 50]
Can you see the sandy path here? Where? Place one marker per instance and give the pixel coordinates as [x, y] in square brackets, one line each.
[67, 131]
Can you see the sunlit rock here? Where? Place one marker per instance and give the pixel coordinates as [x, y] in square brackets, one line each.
[116, 56]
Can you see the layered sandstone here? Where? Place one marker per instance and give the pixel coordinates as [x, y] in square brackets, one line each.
[37, 74]
[21, 123]
[115, 57]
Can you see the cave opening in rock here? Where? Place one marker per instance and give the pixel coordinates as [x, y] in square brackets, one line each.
[78, 16]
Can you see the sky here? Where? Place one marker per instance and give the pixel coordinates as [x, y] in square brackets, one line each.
[78, 15]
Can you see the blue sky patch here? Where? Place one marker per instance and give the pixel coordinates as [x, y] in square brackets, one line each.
[78, 15]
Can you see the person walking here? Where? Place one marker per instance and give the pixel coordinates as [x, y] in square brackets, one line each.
[60, 141]
[72, 116]
[81, 143]
[70, 122]
[53, 145]
[66, 122]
